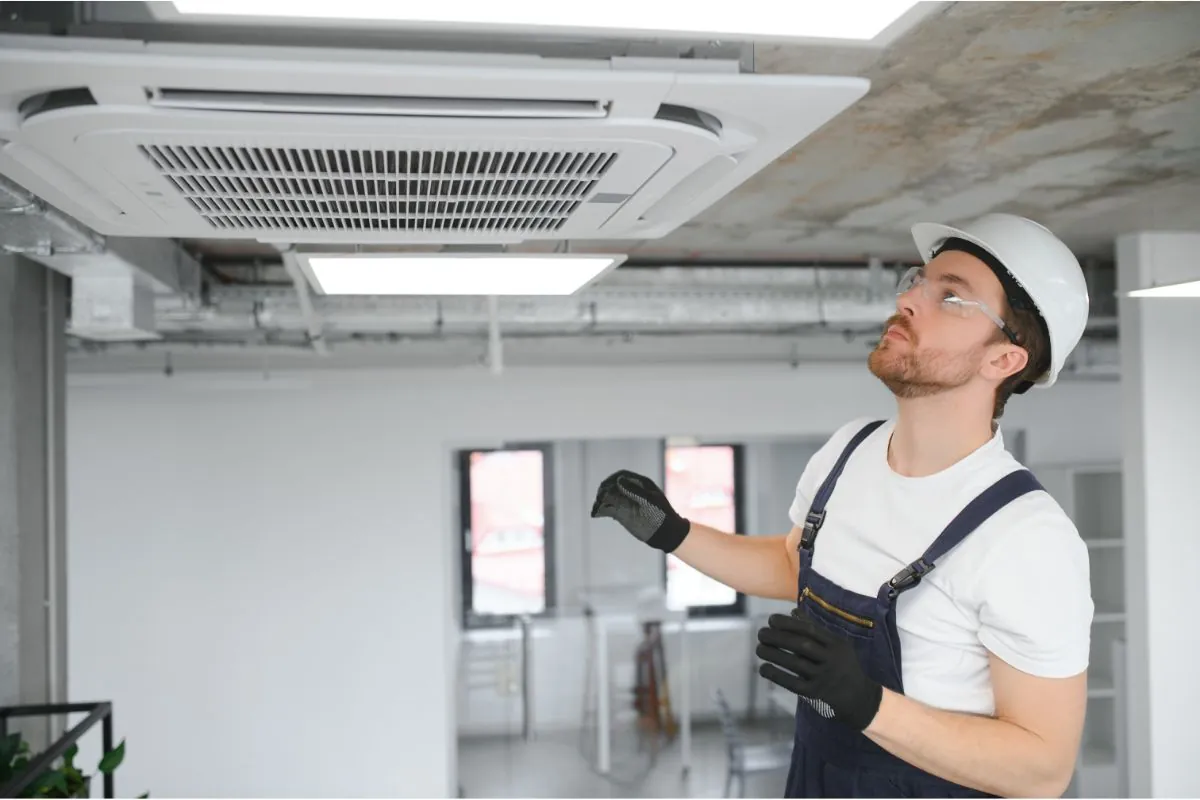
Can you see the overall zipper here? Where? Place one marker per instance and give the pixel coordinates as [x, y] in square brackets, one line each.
[832, 609]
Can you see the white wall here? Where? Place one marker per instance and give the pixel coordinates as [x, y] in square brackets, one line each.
[244, 567]
[262, 572]
[1161, 391]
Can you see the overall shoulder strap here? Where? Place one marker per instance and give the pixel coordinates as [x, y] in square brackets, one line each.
[816, 512]
[995, 497]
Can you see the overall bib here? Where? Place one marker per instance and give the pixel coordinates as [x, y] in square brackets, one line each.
[831, 759]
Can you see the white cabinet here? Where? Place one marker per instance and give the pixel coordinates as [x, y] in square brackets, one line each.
[1091, 495]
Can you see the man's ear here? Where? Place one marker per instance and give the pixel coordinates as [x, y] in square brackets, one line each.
[1005, 360]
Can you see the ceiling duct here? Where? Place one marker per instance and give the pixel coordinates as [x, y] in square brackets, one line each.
[381, 147]
[114, 280]
[655, 315]
[791, 301]
[626, 301]
[111, 308]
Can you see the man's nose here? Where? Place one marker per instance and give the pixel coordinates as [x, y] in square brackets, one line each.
[906, 303]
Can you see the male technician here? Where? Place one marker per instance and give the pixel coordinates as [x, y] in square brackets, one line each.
[940, 640]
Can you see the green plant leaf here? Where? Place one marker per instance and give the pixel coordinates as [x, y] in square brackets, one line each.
[10, 748]
[58, 782]
[12, 756]
[37, 786]
[46, 783]
[112, 759]
[76, 782]
[69, 756]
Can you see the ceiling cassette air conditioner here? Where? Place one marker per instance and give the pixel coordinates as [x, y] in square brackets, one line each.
[330, 146]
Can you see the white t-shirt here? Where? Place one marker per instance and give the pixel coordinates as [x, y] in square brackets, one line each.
[1019, 585]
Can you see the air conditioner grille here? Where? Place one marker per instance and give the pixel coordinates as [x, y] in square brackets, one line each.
[304, 189]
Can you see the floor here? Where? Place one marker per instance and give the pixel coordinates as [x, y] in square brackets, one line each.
[555, 765]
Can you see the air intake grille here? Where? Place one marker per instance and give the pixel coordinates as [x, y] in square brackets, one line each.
[293, 189]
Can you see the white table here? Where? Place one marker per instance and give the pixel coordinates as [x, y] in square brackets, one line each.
[604, 624]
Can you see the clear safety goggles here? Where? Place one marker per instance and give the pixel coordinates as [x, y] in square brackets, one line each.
[950, 298]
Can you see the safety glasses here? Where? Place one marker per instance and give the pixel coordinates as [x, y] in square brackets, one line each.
[950, 298]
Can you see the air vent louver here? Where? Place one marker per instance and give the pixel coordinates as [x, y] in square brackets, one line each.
[305, 189]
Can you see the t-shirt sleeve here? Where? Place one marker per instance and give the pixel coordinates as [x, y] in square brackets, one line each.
[819, 466]
[1036, 603]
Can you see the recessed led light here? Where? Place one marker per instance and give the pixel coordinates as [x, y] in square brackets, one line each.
[752, 18]
[453, 274]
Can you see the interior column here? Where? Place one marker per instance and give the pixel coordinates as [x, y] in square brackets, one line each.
[1160, 375]
[33, 625]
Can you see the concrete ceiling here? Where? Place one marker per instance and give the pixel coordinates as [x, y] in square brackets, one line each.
[1085, 116]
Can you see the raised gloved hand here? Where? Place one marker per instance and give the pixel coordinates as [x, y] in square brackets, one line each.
[821, 667]
[640, 506]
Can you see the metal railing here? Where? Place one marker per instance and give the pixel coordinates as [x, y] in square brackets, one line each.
[96, 712]
[525, 624]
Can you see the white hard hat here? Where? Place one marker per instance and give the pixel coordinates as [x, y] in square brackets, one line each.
[1038, 261]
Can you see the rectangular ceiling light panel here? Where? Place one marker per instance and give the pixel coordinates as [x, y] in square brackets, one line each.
[770, 19]
[453, 274]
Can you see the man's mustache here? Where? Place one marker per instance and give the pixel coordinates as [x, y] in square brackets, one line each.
[902, 322]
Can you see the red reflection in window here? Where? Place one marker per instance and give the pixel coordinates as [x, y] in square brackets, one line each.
[700, 484]
[508, 565]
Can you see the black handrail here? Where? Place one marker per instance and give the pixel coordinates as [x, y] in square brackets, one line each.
[97, 712]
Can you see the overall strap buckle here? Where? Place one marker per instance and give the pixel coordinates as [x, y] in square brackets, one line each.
[910, 576]
[815, 518]
[812, 524]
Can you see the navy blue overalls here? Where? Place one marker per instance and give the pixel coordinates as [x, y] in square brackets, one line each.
[831, 759]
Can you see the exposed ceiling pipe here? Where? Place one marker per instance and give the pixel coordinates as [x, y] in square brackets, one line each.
[495, 346]
[875, 281]
[1094, 359]
[711, 300]
[685, 298]
[312, 320]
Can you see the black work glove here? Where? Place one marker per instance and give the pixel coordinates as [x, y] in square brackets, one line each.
[819, 666]
[641, 507]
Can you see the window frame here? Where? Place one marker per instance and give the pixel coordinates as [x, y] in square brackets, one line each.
[469, 618]
[738, 607]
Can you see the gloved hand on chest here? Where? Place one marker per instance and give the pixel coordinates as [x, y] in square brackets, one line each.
[820, 666]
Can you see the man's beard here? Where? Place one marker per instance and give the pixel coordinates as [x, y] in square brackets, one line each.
[915, 373]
